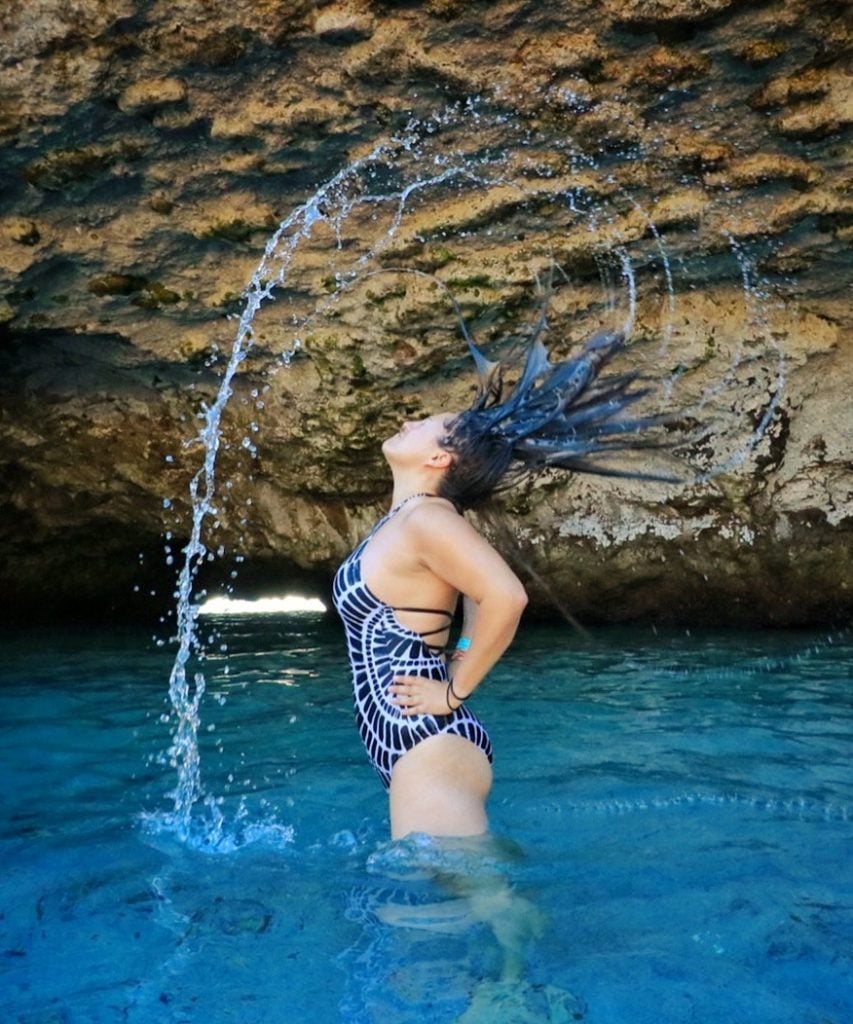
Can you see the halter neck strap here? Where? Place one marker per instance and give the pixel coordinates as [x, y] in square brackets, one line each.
[394, 510]
[435, 648]
[405, 501]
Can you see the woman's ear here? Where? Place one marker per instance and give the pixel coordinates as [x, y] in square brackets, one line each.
[440, 459]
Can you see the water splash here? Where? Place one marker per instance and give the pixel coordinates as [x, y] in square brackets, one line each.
[476, 179]
[210, 832]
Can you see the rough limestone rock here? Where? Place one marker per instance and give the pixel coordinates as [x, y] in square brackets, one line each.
[148, 151]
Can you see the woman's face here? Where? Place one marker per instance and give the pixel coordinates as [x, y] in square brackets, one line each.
[417, 440]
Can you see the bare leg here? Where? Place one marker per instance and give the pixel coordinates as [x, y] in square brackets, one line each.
[440, 788]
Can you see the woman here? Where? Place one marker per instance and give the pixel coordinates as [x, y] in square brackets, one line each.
[432, 753]
[398, 590]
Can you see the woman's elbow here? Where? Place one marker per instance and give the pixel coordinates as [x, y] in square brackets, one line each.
[514, 598]
[505, 600]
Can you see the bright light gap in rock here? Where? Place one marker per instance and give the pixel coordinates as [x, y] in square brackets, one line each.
[289, 604]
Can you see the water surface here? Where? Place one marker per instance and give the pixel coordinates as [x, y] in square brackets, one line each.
[681, 806]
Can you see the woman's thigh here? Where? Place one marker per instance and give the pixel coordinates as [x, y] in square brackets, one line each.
[440, 787]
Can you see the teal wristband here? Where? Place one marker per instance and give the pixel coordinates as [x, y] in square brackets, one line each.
[463, 643]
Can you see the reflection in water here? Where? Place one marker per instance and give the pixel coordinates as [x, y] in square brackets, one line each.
[447, 934]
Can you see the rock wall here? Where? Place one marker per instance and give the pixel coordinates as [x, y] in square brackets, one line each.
[148, 150]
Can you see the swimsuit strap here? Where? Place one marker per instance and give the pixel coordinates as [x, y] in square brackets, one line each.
[427, 611]
[393, 511]
[411, 497]
[399, 608]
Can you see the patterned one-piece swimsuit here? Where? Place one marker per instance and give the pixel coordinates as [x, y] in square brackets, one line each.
[380, 647]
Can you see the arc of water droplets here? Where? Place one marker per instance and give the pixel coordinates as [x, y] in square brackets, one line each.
[185, 701]
[757, 319]
[331, 204]
[202, 490]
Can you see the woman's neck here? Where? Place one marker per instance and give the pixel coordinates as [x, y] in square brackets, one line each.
[408, 486]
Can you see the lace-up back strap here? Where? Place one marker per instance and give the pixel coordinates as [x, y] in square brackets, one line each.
[428, 611]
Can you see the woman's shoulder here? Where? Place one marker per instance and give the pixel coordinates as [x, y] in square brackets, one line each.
[438, 518]
[434, 507]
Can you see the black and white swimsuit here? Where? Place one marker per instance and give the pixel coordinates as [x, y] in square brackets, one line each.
[380, 647]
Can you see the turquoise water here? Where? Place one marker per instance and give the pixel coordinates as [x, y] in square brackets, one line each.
[676, 808]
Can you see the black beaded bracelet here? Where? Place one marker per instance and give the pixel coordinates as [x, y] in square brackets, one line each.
[454, 694]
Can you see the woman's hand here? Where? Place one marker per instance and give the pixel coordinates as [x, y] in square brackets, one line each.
[417, 695]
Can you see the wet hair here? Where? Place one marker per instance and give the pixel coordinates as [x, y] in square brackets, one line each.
[568, 415]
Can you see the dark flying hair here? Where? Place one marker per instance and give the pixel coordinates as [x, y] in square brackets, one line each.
[568, 415]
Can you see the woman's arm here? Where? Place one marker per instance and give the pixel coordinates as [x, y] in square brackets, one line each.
[469, 618]
[452, 549]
